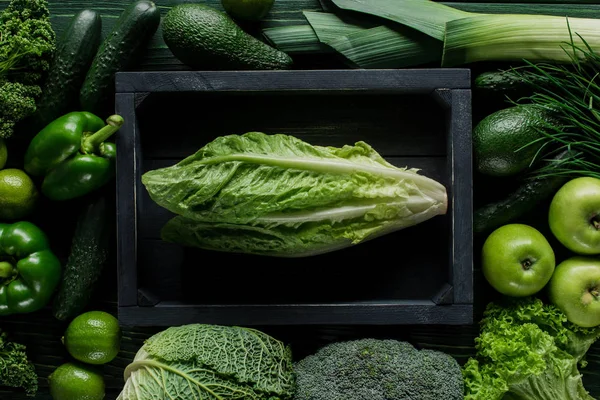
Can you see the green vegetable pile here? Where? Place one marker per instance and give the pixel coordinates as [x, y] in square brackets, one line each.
[528, 350]
[27, 43]
[15, 369]
[378, 369]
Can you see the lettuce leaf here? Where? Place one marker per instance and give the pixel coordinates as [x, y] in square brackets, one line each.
[528, 350]
[277, 195]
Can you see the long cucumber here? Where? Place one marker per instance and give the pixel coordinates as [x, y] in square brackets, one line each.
[520, 202]
[75, 52]
[121, 50]
[89, 254]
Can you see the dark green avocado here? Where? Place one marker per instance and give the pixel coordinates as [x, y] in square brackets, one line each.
[506, 141]
[205, 38]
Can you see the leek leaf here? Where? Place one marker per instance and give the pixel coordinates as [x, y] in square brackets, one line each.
[376, 47]
[425, 16]
[383, 47]
[295, 39]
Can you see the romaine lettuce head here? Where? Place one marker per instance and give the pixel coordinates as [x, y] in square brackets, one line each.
[210, 362]
[277, 195]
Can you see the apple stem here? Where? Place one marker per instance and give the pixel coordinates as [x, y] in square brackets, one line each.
[526, 264]
[594, 292]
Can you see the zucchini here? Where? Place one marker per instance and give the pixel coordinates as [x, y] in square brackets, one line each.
[89, 254]
[521, 201]
[119, 51]
[74, 54]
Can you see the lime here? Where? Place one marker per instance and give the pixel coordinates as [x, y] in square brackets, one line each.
[93, 337]
[18, 194]
[249, 10]
[76, 382]
[3, 153]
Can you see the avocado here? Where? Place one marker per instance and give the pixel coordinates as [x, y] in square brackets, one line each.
[506, 141]
[205, 38]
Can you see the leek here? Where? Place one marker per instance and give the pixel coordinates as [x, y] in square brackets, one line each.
[512, 37]
[404, 33]
[471, 37]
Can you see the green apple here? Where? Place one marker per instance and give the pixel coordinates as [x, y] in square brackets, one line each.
[574, 216]
[517, 260]
[575, 289]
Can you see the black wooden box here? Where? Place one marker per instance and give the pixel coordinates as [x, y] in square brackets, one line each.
[418, 118]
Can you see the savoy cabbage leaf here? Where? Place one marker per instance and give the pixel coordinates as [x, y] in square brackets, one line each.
[210, 362]
[278, 195]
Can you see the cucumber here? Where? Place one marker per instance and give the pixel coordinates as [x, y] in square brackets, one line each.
[74, 54]
[521, 201]
[90, 250]
[120, 51]
[506, 82]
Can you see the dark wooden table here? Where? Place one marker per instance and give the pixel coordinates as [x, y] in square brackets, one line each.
[41, 332]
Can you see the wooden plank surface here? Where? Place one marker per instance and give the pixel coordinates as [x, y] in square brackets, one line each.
[41, 332]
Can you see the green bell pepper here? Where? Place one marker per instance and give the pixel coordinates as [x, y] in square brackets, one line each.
[72, 154]
[29, 271]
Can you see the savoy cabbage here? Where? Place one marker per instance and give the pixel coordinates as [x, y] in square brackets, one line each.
[210, 362]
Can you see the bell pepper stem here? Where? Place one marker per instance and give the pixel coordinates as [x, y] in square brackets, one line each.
[6, 270]
[92, 143]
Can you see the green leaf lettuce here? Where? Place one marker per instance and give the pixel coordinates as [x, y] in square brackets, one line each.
[528, 350]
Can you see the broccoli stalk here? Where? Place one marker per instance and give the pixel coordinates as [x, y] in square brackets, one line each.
[527, 350]
[378, 370]
[15, 369]
[27, 44]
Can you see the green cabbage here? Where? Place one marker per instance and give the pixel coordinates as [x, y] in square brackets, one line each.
[279, 196]
[210, 362]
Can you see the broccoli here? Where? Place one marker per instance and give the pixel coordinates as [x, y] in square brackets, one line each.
[15, 368]
[528, 350]
[378, 369]
[27, 43]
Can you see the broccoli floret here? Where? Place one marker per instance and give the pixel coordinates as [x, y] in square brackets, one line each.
[15, 369]
[27, 44]
[378, 369]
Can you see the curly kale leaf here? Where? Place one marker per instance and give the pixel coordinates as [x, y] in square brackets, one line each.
[528, 350]
[27, 43]
[15, 369]
[210, 362]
